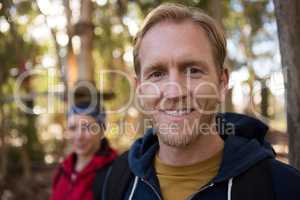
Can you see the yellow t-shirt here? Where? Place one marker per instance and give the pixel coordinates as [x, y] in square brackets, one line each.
[178, 183]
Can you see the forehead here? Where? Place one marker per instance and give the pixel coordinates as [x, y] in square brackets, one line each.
[77, 118]
[175, 40]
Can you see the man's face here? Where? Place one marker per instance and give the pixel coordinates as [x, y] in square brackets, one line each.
[179, 84]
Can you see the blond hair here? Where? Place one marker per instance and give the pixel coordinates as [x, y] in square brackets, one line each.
[180, 13]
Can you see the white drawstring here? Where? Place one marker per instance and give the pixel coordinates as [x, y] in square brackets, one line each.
[229, 189]
[133, 187]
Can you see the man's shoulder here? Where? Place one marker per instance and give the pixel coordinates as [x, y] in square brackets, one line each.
[286, 180]
[281, 169]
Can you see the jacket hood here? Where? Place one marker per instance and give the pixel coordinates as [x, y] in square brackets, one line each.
[244, 146]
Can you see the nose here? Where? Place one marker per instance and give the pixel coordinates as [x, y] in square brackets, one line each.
[174, 88]
[81, 133]
[78, 135]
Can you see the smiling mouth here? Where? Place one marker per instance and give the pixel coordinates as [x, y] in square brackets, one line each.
[81, 145]
[178, 112]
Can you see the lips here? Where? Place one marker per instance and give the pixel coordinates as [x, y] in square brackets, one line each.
[177, 112]
[81, 145]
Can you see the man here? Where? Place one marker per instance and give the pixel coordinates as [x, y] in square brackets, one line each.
[192, 152]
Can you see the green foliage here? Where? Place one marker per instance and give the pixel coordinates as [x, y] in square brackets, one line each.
[18, 53]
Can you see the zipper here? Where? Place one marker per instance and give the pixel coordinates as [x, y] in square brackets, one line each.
[201, 190]
[154, 190]
[69, 190]
[189, 198]
[70, 187]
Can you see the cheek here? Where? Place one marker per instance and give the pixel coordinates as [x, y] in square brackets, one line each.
[206, 96]
[90, 142]
[92, 137]
[74, 138]
[149, 95]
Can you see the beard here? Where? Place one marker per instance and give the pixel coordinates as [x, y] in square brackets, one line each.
[177, 139]
[182, 134]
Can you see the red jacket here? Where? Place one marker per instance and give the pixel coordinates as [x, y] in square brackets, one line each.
[69, 185]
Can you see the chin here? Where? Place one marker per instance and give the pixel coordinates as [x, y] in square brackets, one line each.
[185, 133]
[177, 140]
[82, 152]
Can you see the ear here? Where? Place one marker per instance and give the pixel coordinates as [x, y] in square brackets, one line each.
[224, 78]
[137, 82]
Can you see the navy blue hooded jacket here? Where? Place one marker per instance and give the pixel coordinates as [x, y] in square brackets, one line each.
[242, 151]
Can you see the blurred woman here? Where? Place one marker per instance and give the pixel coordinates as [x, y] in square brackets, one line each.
[91, 153]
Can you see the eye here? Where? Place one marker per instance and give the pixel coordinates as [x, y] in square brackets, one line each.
[194, 72]
[72, 127]
[156, 75]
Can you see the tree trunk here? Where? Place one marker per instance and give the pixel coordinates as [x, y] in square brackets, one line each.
[3, 151]
[215, 8]
[288, 23]
[86, 32]
[228, 102]
[264, 93]
[70, 71]
[26, 163]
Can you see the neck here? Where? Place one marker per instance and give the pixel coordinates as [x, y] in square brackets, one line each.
[82, 161]
[201, 149]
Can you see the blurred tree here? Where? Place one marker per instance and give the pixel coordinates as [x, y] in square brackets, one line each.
[288, 18]
[25, 53]
[85, 29]
[246, 27]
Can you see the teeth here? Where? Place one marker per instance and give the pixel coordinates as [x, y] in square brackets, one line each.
[177, 112]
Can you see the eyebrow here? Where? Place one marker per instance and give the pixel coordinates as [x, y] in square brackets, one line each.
[160, 66]
[189, 62]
